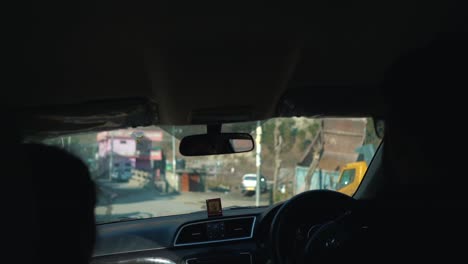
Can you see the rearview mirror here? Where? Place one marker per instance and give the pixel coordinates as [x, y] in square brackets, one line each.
[215, 144]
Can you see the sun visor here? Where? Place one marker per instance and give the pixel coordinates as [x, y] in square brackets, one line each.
[55, 120]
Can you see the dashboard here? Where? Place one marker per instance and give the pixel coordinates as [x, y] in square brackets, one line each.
[239, 236]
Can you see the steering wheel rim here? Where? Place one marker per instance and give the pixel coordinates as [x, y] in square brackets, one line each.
[329, 197]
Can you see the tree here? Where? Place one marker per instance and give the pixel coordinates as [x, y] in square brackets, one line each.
[278, 146]
[268, 136]
[286, 129]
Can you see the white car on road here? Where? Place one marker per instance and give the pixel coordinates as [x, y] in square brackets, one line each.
[249, 183]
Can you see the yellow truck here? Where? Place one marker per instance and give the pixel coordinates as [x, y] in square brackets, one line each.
[350, 177]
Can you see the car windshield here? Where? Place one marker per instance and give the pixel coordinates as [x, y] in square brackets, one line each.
[140, 172]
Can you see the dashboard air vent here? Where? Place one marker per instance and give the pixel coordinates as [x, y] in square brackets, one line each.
[215, 231]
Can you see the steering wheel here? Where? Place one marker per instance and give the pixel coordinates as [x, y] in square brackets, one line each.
[325, 240]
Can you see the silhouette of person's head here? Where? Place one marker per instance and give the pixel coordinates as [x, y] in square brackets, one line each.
[426, 95]
[64, 200]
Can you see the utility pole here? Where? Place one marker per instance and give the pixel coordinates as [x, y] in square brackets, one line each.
[174, 158]
[111, 155]
[258, 162]
[317, 147]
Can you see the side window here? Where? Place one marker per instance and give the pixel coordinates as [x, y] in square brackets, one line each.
[347, 177]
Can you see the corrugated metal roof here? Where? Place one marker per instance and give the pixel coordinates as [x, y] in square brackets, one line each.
[341, 138]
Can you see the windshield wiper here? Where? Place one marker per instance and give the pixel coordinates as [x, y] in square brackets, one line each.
[236, 207]
[117, 221]
[121, 219]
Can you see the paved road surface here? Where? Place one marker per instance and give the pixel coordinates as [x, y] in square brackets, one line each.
[131, 201]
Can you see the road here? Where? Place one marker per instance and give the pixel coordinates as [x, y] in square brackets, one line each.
[118, 201]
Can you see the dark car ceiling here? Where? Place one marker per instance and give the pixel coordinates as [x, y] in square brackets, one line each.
[203, 64]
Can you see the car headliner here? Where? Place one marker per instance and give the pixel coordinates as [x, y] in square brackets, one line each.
[203, 64]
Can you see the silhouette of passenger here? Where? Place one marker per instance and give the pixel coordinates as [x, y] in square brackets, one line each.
[64, 200]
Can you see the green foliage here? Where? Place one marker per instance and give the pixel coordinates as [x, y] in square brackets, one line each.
[305, 144]
[301, 135]
[312, 129]
[291, 134]
[268, 134]
[282, 196]
[288, 131]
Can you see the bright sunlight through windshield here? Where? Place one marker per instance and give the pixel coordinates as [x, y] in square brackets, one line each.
[140, 173]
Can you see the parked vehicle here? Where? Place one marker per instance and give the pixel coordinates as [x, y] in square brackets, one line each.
[121, 172]
[249, 184]
[350, 177]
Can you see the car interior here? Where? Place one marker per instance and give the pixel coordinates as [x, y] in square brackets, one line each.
[93, 67]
